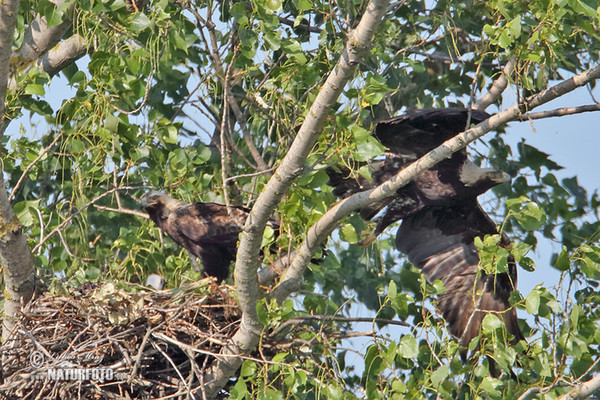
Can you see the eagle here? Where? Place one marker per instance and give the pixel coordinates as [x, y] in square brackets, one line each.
[408, 137]
[208, 231]
[440, 215]
[439, 241]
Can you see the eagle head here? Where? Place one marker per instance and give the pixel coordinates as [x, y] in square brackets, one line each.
[472, 175]
[158, 204]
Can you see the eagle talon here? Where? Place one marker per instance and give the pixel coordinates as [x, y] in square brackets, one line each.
[367, 238]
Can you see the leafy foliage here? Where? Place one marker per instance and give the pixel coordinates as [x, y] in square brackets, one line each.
[202, 99]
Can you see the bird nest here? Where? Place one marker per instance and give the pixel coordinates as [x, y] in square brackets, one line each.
[108, 342]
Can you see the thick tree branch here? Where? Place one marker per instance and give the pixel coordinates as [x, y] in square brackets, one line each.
[62, 55]
[246, 339]
[583, 390]
[40, 38]
[291, 279]
[42, 47]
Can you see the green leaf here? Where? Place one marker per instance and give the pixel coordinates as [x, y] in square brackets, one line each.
[368, 149]
[439, 375]
[273, 5]
[33, 88]
[238, 11]
[392, 289]
[348, 234]
[140, 22]
[527, 213]
[398, 386]
[532, 302]
[491, 322]
[248, 369]
[334, 392]
[562, 262]
[303, 5]
[263, 313]
[408, 347]
[272, 39]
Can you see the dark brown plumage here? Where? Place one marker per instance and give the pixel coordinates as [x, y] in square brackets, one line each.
[410, 136]
[440, 242]
[440, 216]
[206, 230]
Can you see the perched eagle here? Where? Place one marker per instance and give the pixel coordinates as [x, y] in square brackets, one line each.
[207, 230]
[440, 242]
[408, 137]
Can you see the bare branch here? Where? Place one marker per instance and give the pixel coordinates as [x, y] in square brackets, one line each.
[336, 318]
[497, 87]
[559, 112]
[246, 339]
[122, 211]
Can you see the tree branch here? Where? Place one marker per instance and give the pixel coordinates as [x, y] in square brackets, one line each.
[246, 338]
[41, 46]
[582, 390]
[39, 37]
[38, 158]
[8, 20]
[560, 112]
[79, 211]
[497, 87]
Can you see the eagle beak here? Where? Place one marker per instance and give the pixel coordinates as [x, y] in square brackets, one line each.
[144, 201]
[473, 175]
[499, 177]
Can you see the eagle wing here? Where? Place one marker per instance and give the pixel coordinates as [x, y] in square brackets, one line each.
[210, 223]
[418, 131]
[440, 242]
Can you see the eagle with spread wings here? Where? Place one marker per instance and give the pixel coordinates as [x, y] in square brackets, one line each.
[208, 231]
[440, 216]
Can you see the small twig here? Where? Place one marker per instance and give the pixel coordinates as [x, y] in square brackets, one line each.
[123, 211]
[68, 250]
[38, 158]
[328, 318]
[138, 358]
[231, 178]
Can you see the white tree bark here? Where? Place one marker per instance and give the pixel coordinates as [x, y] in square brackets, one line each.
[43, 48]
[246, 277]
[497, 87]
[39, 37]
